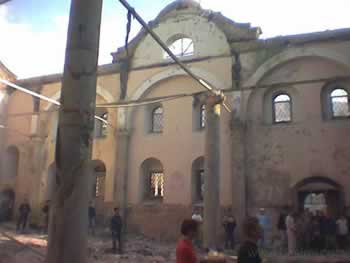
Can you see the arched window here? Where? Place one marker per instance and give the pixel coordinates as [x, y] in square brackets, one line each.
[101, 128]
[153, 179]
[99, 179]
[340, 103]
[282, 108]
[182, 47]
[157, 120]
[203, 117]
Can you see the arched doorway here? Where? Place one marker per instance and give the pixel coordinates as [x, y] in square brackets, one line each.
[198, 180]
[319, 194]
[7, 201]
[98, 186]
[10, 165]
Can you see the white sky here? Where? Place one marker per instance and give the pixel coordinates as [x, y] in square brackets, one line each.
[28, 51]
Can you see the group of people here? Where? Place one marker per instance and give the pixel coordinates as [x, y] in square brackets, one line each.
[229, 225]
[24, 211]
[247, 253]
[116, 225]
[316, 231]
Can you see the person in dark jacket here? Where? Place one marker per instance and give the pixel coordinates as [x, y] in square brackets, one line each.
[330, 232]
[24, 211]
[248, 252]
[282, 228]
[229, 226]
[92, 218]
[116, 229]
[46, 212]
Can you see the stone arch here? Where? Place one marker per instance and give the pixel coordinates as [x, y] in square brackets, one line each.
[106, 95]
[326, 103]
[197, 180]
[291, 54]
[333, 191]
[125, 116]
[269, 95]
[149, 170]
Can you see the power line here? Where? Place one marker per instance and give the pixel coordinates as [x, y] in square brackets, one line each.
[37, 95]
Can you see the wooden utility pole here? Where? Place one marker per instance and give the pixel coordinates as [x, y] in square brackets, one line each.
[68, 215]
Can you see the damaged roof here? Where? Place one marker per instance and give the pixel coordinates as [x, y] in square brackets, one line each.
[235, 32]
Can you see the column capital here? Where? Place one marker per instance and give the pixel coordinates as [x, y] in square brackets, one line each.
[210, 99]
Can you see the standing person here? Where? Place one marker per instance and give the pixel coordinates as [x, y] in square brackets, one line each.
[248, 252]
[198, 217]
[264, 222]
[342, 232]
[116, 229]
[323, 228]
[307, 229]
[229, 226]
[291, 233]
[24, 211]
[185, 252]
[330, 232]
[92, 218]
[46, 212]
[282, 229]
[316, 240]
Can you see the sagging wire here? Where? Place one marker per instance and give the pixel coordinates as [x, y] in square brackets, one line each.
[42, 97]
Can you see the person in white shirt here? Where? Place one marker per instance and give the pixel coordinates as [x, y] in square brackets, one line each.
[291, 233]
[342, 232]
[197, 216]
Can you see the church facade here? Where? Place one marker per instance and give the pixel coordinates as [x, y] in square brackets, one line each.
[284, 143]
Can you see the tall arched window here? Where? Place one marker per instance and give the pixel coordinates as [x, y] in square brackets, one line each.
[182, 47]
[203, 117]
[152, 175]
[157, 120]
[282, 108]
[340, 103]
[101, 127]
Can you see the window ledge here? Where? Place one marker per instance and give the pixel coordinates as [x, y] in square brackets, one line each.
[339, 118]
[152, 202]
[154, 133]
[199, 130]
[281, 124]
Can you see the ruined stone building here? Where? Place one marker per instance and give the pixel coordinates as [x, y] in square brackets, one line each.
[286, 141]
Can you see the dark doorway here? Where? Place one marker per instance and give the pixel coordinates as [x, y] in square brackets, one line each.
[7, 201]
[320, 194]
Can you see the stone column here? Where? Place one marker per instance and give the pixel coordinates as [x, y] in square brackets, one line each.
[212, 171]
[238, 136]
[68, 214]
[122, 167]
[3, 132]
[38, 158]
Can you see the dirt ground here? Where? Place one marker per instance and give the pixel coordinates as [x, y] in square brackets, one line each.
[31, 248]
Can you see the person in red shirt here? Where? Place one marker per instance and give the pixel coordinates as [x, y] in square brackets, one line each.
[185, 252]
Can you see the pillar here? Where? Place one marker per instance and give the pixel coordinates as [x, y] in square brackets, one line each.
[68, 214]
[212, 171]
[239, 156]
[122, 157]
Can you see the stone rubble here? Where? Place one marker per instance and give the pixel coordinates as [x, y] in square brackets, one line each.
[138, 249]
